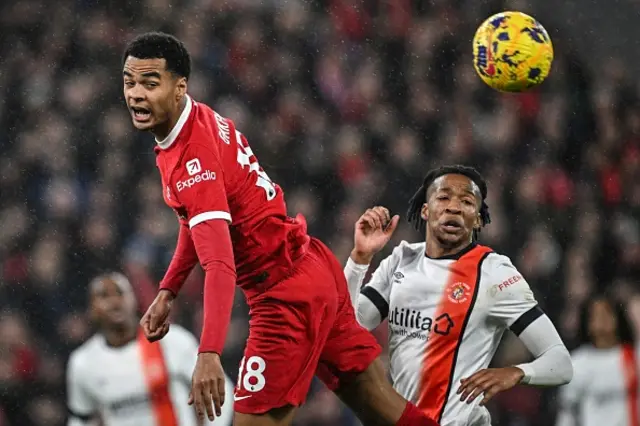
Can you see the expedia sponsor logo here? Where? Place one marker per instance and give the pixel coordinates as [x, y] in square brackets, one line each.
[193, 180]
[413, 324]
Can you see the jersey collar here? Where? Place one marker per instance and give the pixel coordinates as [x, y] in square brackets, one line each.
[454, 256]
[173, 135]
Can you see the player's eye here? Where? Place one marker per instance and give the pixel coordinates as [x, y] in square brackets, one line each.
[129, 83]
[442, 197]
[151, 85]
[467, 202]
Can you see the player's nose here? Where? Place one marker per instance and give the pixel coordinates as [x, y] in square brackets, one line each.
[453, 207]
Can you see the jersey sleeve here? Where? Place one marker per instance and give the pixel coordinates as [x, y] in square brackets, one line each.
[199, 183]
[372, 301]
[514, 306]
[81, 405]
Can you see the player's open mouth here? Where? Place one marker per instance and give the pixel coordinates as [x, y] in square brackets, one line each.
[452, 226]
[140, 114]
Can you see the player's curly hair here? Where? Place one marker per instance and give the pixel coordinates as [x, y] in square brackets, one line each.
[420, 197]
[158, 45]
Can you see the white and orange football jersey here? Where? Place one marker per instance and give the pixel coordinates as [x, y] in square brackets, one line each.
[139, 384]
[446, 318]
[605, 389]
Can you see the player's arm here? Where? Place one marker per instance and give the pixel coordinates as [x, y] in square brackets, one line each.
[372, 232]
[371, 301]
[516, 308]
[80, 404]
[184, 259]
[208, 216]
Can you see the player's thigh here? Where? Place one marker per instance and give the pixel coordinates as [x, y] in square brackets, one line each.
[371, 397]
[286, 337]
[282, 416]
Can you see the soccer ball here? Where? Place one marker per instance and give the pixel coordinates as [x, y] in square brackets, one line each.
[512, 52]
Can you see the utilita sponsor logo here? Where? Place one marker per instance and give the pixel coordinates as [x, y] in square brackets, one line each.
[413, 319]
[193, 180]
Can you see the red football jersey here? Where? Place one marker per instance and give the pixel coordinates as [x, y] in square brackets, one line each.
[209, 172]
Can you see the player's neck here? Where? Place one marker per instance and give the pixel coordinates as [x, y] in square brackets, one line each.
[605, 342]
[436, 250]
[162, 130]
[118, 337]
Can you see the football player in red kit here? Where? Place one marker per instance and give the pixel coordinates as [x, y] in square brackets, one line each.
[233, 221]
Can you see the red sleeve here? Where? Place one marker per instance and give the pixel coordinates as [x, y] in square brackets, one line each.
[213, 244]
[199, 184]
[183, 261]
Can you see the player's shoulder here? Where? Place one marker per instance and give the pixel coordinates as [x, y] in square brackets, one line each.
[406, 252]
[83, 355]
[180, 336]
[497, 263]
[582, 354]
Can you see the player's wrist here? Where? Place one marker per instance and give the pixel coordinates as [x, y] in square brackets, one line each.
[166, 294]
[361, 257]
[520, 373]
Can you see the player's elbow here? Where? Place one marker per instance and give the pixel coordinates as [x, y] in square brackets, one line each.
[565, 366]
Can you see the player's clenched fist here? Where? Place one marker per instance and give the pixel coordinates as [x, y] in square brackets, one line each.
[373, 230]
[207, 386]
[489, 382]
[155, 322]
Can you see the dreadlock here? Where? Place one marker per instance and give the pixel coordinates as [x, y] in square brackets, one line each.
[420, 197]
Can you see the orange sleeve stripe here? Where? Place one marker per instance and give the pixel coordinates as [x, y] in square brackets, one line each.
[441, 352]
[157, 378]
[630, 372]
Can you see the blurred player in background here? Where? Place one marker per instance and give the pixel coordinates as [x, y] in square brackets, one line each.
[448, 301]
[605, 389]
[233, 220]
[121, 379]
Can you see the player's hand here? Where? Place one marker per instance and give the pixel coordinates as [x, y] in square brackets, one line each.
[155, 322]
[489, 381]
[373, 231]
[207, 386]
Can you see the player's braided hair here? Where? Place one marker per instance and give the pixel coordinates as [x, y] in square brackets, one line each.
[157, 45]
[420, 197]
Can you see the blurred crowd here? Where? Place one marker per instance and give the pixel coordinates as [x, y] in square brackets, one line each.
[347, 104]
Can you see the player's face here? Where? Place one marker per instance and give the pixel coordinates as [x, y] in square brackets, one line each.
[602, 321]
[152, 93]
[452, 210]
[112, 306]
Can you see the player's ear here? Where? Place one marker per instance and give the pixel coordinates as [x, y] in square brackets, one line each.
[424, 213]
[181, 88]
[478, 222]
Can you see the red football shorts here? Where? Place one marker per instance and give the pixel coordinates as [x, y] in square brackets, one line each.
[303, 326]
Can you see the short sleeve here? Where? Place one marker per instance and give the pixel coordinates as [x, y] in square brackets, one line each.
[199, 185]
[81, 404]
[514, 304]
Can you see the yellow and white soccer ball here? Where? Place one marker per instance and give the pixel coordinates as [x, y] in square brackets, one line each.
[512, 52]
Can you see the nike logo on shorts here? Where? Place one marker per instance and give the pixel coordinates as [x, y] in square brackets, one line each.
[240, 398]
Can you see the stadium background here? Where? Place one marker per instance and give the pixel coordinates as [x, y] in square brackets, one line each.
[347, 103]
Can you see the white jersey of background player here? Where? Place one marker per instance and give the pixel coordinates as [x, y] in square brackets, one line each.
[448, 301]
[605, 387]
[117, 376]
